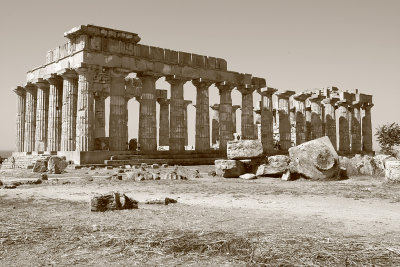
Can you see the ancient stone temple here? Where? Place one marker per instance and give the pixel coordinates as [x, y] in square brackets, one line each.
[61, 108]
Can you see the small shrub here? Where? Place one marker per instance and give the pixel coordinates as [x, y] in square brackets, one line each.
[388, 136]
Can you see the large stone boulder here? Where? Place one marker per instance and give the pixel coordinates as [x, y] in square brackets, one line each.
[380, 163]
[40, 166]
[112, 201]
[229, 168]
[244, 149]
[392, 171]
[316, 159]
[56, 165]
[276, 165]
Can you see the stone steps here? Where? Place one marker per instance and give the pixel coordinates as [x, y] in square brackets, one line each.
[169, 156]
[23, 162]
[169, 161]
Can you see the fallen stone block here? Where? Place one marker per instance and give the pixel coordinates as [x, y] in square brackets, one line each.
[164, 201]
[155, 166]
[112, 201]
[392, 171]
[244, 149]
[40, 166]
[286, 176]
[139, 175]
[276, 165]
[248, 176]
[173, 175]
[315, 159]
[57, 165]
[10, 186]
[228, 168]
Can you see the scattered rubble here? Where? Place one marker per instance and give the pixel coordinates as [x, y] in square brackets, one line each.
[112, 201]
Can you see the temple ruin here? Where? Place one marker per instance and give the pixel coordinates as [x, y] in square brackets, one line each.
[61, 108]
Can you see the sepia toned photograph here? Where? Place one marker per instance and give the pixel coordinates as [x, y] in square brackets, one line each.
[200, 133]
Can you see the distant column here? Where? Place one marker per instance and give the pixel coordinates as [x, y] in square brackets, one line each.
[30, 117]
[118, 138]
[247, 112]
[100, 114]
[284, 119]
[177, 125]
[356, 142]
[300, 117]
[234, 125]
[226, 114]
[330, 119]
[342, 127]
[69, 109]
[21, 95]
[42, 108]
[367, 128]
[257, 119]
[202, 142]
[55, 106]
[316, 116]
[267, 119]
[215, 136]
[185, 105]
[163, 130]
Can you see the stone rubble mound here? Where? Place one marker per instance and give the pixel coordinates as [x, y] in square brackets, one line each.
[112, 201]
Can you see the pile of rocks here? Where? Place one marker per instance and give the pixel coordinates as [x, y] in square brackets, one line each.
[316, 159]
[52, 164]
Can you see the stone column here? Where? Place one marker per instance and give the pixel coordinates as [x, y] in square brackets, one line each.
[148, 112]
[55, 106]
[267, 119]
[215, 124]
[350, 121]
[177, 125]
[85, 123]
[284, 119]
[185, 105]
[21, 95]
[163, 130]
[234, 126]
[300, 117]
[100, 114]
[308, 121]
[316, 117]
[342, 127]
[226, 114]
[367, 128]
[118, 138]
[257, 119]
[69, 108]
[30, 117]
[42, 108]
[247, 112]
[330, 119]
[202, 142]
[356, 128]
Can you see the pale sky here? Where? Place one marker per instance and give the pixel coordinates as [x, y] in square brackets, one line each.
[294, 45]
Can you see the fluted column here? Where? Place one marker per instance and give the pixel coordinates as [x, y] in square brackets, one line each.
[226, 114]
[42, 108]
[21, 95]
[367, 128]
[342, 127]
[202, 141]
[234, 126]
[85, 123]
[267, 119]
[30, 117]
[316, 117]
[177, 125]
[300, 117]
[284, 119]
[257, 119]
[215, 124]
[118, 124]
[148, 112]
[100, 114]
[55, 106]
[69, 109]
[185, 105]
[247, 112]
[330, 119]
[356, 141]
[163, 130]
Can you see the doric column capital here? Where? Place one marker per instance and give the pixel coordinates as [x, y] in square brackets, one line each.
[42, 84]
[30, 87]
[202, 83]
[144, 74]
[316, 99]
[329, 101]
[225, 86]
[101, 95]
[285, 94]
[163, 101]
[68, 74]
[245, 89]
[301, 96]
[367, 106]
[19, 90]
[235, 107]
[119, 72]
[342, 103]
[53, 78]
[215, 107]
[267, 91]
[357, 104]
[176, 80]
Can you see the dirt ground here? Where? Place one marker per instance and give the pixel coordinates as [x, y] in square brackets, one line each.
[216, 222]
